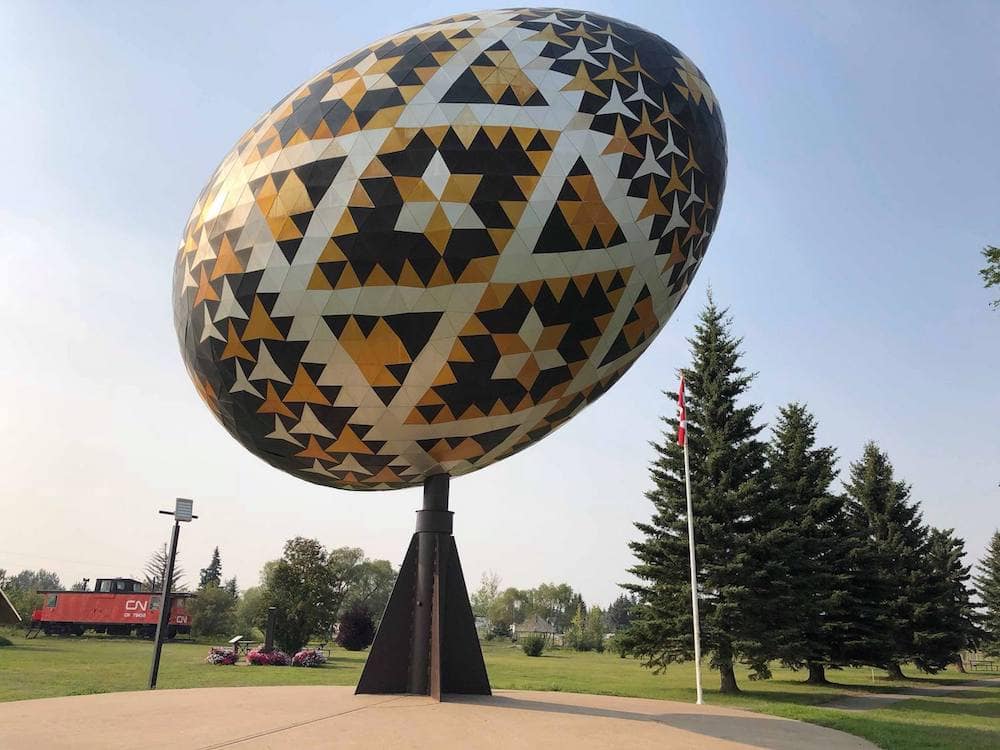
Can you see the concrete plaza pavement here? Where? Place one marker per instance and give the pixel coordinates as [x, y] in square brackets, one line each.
[303, 717]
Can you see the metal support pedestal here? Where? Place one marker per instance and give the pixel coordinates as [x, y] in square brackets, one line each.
[427, 642]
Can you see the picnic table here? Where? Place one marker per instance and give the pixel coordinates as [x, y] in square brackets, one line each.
[240, 645]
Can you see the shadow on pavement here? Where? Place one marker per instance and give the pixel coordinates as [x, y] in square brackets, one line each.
[756, 731]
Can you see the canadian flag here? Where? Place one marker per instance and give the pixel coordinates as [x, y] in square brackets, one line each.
[682, 415]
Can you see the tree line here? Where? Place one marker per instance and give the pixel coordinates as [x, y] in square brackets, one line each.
[311, 588]
[583, 627]
[791, 569]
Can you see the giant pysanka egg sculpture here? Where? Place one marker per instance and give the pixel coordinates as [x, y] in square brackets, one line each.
[442, 247]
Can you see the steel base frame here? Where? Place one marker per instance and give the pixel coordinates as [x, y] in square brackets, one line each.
[427, 643]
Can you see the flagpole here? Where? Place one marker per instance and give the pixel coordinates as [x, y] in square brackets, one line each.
[691, 555]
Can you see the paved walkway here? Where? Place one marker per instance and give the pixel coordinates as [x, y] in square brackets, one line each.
[869, 701]
[307, 717]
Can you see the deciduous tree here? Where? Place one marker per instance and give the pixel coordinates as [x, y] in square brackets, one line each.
[556, 603]
[250, 617]
[213, 611]
[370, 584]
[21, 589]
[302, 588]
[595, 628]
[575, 636]
[482, 599]
[510, 607]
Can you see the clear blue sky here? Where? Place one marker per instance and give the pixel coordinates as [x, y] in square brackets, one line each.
[864, 178]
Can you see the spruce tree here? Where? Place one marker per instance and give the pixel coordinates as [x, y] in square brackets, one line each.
[991, 271]
[944, 619]
[737, 564]
[988, 588]
[212, 575]
[620, 612]
[817, 603]
[888, 563]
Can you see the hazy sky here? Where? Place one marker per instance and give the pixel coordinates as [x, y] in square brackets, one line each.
[864, 179]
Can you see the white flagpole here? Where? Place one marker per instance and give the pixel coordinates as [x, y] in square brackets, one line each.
[694, 574]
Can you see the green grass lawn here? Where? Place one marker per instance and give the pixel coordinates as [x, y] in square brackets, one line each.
[46, 667]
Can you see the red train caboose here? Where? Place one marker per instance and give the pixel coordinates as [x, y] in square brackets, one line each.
[116, 606]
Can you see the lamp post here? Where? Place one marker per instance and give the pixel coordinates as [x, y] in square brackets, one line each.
[181, 512]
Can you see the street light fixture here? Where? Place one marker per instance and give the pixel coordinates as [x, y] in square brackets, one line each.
[182, 512]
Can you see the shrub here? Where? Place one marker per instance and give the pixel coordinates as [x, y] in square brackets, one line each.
[221, 656]
[586, 630]
[4, 642]
[357, 629]
[263, 659]
[620, 642]
[500, 630]
[280, 659]
[258, 658]
[309, 657]
[533, 645]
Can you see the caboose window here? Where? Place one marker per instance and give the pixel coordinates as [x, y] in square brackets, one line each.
[154, 603]
[105, 587]
[51, 601]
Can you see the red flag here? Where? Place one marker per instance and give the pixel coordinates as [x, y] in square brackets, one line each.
[682, 415]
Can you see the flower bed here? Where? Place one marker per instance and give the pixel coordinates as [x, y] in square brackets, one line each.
[309, 657]
[273, 659]
[221, 656]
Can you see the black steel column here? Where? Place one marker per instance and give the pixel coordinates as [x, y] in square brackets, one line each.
[427, 642]
[164, 622]
[272, 613]
[434, 527]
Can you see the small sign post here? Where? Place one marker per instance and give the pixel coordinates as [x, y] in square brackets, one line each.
[182, 512]
[183, 509]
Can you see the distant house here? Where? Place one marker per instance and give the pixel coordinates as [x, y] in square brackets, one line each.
[535, 625]
[8, 615]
